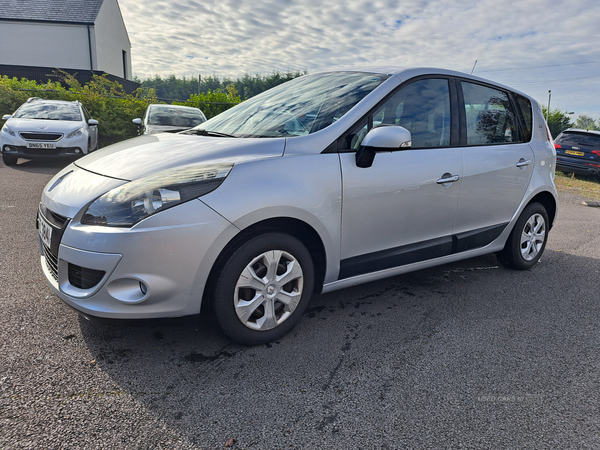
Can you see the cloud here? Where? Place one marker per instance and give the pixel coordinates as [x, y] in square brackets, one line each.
[234, 37]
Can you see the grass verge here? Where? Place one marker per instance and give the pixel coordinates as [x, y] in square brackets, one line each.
[588, 188]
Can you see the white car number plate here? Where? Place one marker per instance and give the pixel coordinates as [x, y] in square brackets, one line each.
[41, 145]
[45, 231]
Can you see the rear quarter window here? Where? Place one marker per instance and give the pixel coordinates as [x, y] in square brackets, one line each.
[524, 107]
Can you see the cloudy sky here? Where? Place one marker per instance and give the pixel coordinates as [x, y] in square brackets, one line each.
[531, 45]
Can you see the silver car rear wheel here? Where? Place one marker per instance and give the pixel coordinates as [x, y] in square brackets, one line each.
[263, 288]
[527, 240]
[533, 237]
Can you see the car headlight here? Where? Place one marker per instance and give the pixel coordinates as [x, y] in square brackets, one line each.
[132, 202]
[7, 130]
[77, 132]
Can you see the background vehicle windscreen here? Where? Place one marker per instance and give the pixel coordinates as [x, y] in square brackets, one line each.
[174, 117]
[574, 138]
[302, 106]
[48, 112]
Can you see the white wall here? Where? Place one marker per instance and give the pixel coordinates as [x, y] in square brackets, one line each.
[45, 45]
[110, 36]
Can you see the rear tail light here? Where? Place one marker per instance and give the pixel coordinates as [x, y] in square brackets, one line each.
[557, 145]
[548, 135]
[596, 152]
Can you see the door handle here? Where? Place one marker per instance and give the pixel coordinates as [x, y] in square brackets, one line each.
[447, 179]
[523, 163]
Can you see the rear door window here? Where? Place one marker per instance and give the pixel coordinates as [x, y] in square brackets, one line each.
[490, 118]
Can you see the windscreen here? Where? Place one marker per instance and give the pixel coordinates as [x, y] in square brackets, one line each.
[49, 111]
[175, 117]
[302, 106]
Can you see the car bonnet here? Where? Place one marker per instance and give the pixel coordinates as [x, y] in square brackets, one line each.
[148, 154]
[93, 175]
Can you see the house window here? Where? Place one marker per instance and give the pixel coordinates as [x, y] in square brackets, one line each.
[124, 64]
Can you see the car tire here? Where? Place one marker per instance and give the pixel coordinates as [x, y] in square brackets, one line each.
[9, 160]
[527, 240]
[263, 288]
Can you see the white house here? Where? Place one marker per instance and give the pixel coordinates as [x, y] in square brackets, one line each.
[78, 36]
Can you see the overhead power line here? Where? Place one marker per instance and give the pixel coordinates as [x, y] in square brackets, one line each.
[560, 80]
[539, 67]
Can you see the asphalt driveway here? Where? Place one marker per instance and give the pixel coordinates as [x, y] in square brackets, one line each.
[467, 355]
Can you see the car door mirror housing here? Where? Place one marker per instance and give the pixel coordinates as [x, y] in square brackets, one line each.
[93, 122]
[383, 138]
[6, 116]
[138, 122]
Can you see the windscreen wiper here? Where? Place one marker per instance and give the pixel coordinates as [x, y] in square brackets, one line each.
[207, 133]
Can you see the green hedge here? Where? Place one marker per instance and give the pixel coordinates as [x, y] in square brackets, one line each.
[213, 102]
[106, 101]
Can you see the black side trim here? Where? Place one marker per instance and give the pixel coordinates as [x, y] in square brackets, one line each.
[421, 251]
[477, 238]
[399, 256]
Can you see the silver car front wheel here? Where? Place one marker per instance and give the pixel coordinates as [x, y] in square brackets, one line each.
[263, 288]
[268, 290]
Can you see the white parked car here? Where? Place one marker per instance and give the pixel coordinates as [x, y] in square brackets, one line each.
[324, 182]
[169, 119]
[48, 128]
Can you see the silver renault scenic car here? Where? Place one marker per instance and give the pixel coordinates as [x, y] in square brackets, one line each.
[324, 182]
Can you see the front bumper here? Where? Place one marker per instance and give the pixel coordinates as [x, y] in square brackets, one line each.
[33, 153]
[18, 147]
[157, 269]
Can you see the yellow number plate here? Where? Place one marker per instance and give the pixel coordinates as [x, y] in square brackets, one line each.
[573, 152]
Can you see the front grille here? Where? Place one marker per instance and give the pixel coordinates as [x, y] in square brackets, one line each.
[84, 278]
[42, 151]
[51, 262]
[53, 137]
[55, 219]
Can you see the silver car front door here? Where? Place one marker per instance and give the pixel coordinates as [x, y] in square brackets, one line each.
[401, 209]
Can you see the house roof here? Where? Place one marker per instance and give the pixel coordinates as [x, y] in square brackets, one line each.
[70, 11]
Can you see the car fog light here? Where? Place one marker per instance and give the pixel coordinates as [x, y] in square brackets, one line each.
[128, 290]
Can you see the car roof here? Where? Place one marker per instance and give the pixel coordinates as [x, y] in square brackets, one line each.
[579, 130]
[160, 105]
[43, 100]
[407, 72]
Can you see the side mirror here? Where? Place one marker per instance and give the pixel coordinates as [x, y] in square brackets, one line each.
[93, 122]
[6, 116]
[138, 122]
[383, 138]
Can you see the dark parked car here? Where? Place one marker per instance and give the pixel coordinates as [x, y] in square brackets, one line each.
[578, 151]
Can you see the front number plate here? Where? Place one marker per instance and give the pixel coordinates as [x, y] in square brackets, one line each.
[573, 152]
[41, 145]
[45, 231]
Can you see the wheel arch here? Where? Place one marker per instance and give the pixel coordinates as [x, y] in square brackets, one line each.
[547, 200]
[294, 227]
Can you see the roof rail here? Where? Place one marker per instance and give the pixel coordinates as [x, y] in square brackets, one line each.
[33, 99]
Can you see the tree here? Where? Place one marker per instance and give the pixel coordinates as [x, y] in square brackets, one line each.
[586, 123]
[557, 121]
